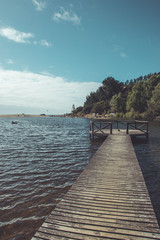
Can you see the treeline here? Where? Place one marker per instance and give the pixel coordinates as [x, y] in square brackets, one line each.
[135, 99]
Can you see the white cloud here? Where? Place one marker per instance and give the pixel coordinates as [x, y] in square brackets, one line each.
[42, 91]
[15, 35]
[65, 15]
[40, 5]
[45, 43]
[42, 43]
[10, 61]
[21, 37]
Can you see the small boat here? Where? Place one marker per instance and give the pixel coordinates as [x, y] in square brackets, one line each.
[14, 122]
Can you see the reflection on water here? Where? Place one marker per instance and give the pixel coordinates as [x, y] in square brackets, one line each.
[40, 158]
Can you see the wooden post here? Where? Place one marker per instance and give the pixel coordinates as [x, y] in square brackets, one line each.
[90, 126]
[147, 137]
[110, 128]
[117, 124]
[147, 132]
[127, 128]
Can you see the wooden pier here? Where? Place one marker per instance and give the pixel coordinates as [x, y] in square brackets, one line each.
[109, 200]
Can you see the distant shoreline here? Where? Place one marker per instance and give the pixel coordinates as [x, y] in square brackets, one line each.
[88, 116]
[20, 115]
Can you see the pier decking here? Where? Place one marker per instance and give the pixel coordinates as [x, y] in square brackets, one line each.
[109, 200]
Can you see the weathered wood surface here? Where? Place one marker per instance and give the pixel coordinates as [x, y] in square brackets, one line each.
[108, 201]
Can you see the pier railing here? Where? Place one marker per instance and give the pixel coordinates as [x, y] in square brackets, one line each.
[99, 127]
[137, 125]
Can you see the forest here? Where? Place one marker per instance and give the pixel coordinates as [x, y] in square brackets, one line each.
[134, 99]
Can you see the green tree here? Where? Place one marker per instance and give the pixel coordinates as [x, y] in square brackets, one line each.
[137, 98]
[111, 87]
[91, 99]
[73, 108]
[150, 84]
[87, 109]
[101, 95]
[154, 103]
[78, 109]
[117, 103]
[98, 107]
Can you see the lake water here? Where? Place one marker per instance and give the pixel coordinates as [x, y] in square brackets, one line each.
[40, 158]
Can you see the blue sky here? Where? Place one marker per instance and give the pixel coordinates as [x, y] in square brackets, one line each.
[55, 52]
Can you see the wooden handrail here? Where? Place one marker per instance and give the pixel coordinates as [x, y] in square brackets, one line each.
[101, 127]
[143, 123]
[97, 127]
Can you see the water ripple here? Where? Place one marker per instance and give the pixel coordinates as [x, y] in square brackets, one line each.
[40, 158]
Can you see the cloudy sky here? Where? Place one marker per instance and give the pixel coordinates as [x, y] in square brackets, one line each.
[55, 52]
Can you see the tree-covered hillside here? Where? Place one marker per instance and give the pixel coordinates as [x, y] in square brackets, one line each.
[134, 99]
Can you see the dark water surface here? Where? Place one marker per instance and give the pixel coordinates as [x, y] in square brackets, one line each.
[40, 158]
[148, 155]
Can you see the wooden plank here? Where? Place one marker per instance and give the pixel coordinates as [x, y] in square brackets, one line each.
[127, 217]
[92, 227]
[99, 222]
[53, 230]
[117, 211]
[109, 200]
